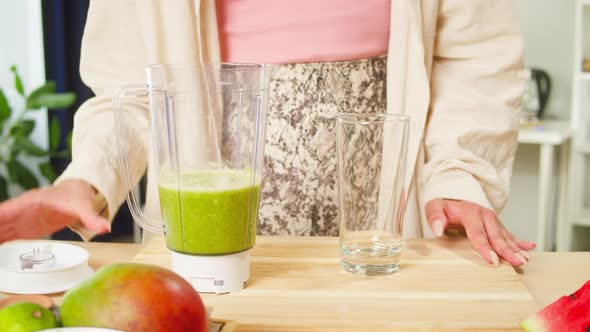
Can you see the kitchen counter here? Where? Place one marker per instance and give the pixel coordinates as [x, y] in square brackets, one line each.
[302, 274]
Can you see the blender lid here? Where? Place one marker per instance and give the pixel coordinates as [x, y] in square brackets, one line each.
[42, 267]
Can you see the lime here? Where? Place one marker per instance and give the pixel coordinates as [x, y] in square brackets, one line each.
[26, 317]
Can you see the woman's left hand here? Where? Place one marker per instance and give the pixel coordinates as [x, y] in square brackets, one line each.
[486, 233]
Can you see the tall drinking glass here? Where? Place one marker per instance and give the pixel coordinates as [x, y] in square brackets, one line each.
[372, 151]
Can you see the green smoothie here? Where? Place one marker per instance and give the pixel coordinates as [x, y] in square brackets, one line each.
[209, 212]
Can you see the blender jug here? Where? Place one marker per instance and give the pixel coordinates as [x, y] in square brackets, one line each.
[207, 125]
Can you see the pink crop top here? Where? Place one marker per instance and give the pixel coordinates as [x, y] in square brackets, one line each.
[294, 31]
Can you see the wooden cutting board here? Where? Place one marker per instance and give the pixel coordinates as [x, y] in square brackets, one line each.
[297, 285]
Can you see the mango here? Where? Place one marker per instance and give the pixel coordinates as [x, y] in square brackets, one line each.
[136, 298]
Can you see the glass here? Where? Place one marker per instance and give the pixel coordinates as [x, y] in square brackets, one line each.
[372, 154]
[207, 127]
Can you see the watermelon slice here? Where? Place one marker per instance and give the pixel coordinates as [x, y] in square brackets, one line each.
[570, 313]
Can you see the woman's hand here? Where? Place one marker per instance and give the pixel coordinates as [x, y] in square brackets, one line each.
[41, 212]
[486, 233]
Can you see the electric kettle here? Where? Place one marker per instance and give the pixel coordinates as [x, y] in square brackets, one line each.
[536, 94]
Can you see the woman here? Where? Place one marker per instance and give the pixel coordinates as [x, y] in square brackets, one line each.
[454, 67]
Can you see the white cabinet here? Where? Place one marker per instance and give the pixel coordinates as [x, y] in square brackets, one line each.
[579, 182]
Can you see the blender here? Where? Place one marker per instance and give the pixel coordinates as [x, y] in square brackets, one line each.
[207, 125]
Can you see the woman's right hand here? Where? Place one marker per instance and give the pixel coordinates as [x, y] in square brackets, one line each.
[484, 230]
[40, 212]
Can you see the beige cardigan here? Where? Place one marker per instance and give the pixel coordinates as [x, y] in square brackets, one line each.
[454, 67]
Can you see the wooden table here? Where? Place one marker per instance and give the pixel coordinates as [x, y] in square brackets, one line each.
[548, 276]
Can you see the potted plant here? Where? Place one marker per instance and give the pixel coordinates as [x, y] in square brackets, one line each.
[15, 131]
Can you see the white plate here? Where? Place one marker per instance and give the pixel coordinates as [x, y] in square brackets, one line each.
[80, 329]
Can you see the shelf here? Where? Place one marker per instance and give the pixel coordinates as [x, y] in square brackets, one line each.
[545, 132]
[582, 217]
[581, 221]
[585, 76]
[582, 148]
[585, 2]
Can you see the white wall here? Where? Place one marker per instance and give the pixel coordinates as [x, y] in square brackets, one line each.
[548, 29]
[586, 30]
[21, 37]
[520, 214]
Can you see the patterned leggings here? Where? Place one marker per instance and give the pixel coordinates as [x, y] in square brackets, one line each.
[300, 190]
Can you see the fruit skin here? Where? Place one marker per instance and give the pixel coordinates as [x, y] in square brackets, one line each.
[568, 313]
[136, 298]
[26, 317]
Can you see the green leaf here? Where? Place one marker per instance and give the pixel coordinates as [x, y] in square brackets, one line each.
[14, 152]
[47, 171]
[20, 174]
[54, 134]
[25, 144]
[52, 100]
[18, 83]
[46, 88]
[22, 128]
[11, 167]
[69, 141]
[4, 109]
[3, 189]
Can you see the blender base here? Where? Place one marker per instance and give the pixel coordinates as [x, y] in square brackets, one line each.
[213, 274]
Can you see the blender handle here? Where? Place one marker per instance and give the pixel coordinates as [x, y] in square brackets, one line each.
[139, 216]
